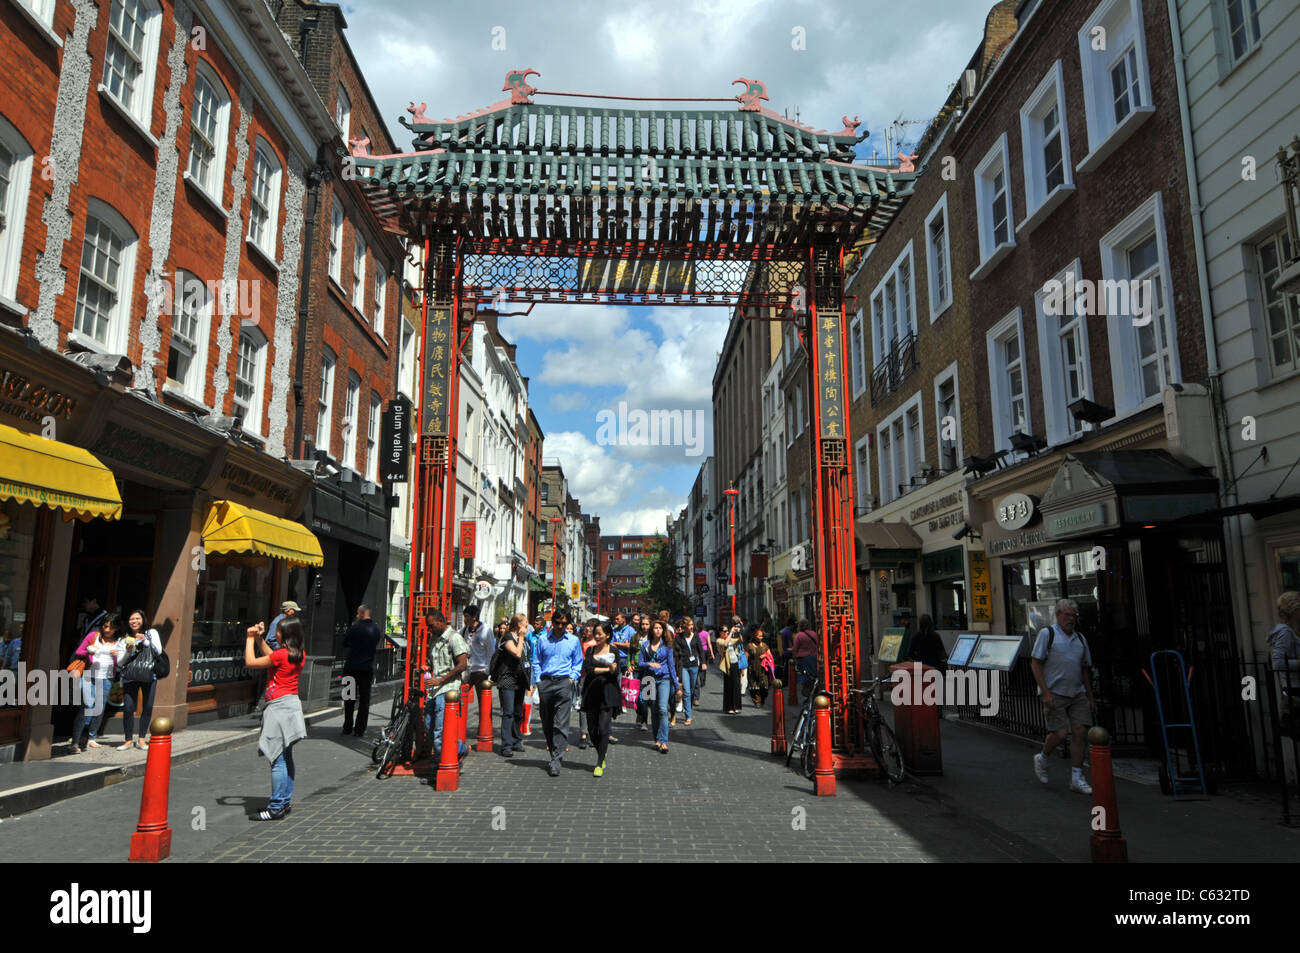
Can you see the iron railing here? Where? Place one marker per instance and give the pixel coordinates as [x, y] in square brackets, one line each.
[894, 368]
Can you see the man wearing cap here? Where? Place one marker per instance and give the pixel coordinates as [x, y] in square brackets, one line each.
[288, 610]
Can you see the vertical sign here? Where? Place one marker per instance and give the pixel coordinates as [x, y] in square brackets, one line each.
[468, 537]
[397, 440]
[437, 371]
[701, 575]
[981, 601]
[573, 590]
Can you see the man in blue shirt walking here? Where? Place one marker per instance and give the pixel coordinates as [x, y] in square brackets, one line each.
[557, 665]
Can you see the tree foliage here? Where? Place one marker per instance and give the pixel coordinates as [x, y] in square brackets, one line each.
[661, 590]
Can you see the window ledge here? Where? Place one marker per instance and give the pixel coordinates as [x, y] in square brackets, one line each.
[939, 312]
[1278, 377]
[262, 254]
[1232, 67]
[1115, 138]
[204, 194]
[1040, 214]
[43, 28]
[177, 393]
[995, 259]
[9, 304]
[126, 114]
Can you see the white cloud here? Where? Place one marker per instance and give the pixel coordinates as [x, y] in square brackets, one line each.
[596, 480]
[639, 522]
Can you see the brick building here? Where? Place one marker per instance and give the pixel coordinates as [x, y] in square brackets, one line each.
[157, 160]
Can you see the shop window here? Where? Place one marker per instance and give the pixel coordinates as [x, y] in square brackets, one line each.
[17, 537]
[233, 592]
[948, 604]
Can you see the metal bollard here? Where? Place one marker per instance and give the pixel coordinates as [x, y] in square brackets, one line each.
[1108, 845]
[527, 728]
[152, 840]
[485, 716]
[466, 699]
[778, 718]
[794, 685]
[824, 776]
[448, 777]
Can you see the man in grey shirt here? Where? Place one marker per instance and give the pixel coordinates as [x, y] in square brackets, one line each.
[1062, 668]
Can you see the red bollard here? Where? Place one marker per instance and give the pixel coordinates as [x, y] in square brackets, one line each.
[527, 728]
[466, 699]
[485, 716]
[778, 718]
[448, 777]
[824, 775]
[1108, 844]
[794, 685]
[152, 840]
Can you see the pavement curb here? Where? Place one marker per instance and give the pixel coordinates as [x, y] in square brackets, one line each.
[33, 797]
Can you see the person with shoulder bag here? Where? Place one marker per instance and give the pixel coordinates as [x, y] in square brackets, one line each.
[1062, 667]
[509, 672]
[1284, 656]
[102, 650]
[139, 676]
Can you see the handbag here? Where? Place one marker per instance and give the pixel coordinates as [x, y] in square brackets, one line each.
[141, 665]
[631, 690]
[77, 666]
[742, 658]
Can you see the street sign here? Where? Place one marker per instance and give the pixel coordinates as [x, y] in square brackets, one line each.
[699, 612]
[482, 589]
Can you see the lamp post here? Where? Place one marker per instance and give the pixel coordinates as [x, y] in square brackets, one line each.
[555, 569]
[732, 493]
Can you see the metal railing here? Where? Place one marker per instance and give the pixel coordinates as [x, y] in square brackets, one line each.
[889, 374]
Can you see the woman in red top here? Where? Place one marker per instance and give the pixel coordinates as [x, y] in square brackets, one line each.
[282, 722]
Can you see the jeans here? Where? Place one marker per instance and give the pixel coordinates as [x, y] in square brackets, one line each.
[146, 690]
[433, 718]
[663, 700]
[557, 704]
[512, 716]
[94, 698]
[364, 678]
[281, 781]
[690, 688]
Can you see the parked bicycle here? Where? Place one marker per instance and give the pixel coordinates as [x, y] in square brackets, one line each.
[804, 739]
[396, 742]
[879, 736]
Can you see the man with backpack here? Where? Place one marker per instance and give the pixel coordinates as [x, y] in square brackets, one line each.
[1062, 666]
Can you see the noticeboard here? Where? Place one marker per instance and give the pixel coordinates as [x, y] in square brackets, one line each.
[962, 649]
[892, 644]
[996, 652]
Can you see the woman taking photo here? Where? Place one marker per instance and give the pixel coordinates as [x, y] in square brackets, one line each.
[659, 662]
[511, 679]
[602, 700]
[760, 667]
[727, 649]
[143, 645]
[282, 721]
[102, 650]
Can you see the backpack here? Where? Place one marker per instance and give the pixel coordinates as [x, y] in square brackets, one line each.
[1051, 640]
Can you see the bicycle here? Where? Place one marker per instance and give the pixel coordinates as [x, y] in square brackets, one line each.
[879, 736]
[804, 739]
[396, 742]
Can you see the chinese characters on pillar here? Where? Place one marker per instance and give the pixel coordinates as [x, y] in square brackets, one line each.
[437, 370]
[980, 593]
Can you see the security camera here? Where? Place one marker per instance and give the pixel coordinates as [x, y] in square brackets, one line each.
[331, 470]
[963, 532]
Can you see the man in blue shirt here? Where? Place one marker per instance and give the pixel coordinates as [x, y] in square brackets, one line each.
[557, 665]
[622, 638]
[288, 610]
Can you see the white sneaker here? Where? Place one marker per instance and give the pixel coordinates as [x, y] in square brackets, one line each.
[1080, 785]
[1040, 767]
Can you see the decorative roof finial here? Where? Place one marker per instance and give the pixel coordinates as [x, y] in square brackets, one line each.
[417, 115]
[360, 147]
[517, 86]
[755, 90]
[850, 126]
[906, 162]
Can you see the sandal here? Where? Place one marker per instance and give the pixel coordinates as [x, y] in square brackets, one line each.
[142, 745]
[92, 743]
[687, 722]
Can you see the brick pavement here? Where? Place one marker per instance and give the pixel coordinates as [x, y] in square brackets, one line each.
[717, 796]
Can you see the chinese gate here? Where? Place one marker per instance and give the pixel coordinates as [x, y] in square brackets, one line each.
[520, 202]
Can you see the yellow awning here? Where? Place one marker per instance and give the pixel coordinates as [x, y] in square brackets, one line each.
[57, 475]
[235, 528]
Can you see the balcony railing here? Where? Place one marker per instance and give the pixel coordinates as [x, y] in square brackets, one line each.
[889, 374]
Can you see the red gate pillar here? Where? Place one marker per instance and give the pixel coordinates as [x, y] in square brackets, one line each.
[836, 568]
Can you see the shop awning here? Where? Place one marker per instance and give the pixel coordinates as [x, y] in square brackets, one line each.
[58, 475]
[235, 528]
[886, 535]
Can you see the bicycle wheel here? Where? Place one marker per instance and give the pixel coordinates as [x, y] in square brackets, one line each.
[887, 752]
[396, 746]
[808, 757]
[796, 740]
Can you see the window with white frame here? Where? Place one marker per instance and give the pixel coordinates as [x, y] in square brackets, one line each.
[358, 272]
[336, 243]
[209, 120]
[857, 355]
[351, 400]
[1143, 338]
[993, 203]
[938, 258]
[1282, 324]
[893, 313]
[1116, 84]
[862, 472]
[1241, 27]
[406, 348]
[947, 417]
[325, 401]
[343, 112]
[1046, 146]
[187, 356]
[901, 439]
[264, 204]
[250, 368]
[42, 9]
[106, 277]
[1063, 351]
[15, 182]
[380, 278]
[1010, 399]
[131, 54]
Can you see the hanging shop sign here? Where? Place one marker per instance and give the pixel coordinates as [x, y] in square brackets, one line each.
[1016, 511]
[468, 538]
[701, 577]
[397, 440]
[981, 593]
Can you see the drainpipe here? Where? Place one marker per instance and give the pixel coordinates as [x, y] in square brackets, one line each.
[1223, 454]
[320, 172]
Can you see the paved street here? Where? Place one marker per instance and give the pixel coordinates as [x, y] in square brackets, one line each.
[717, 795]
